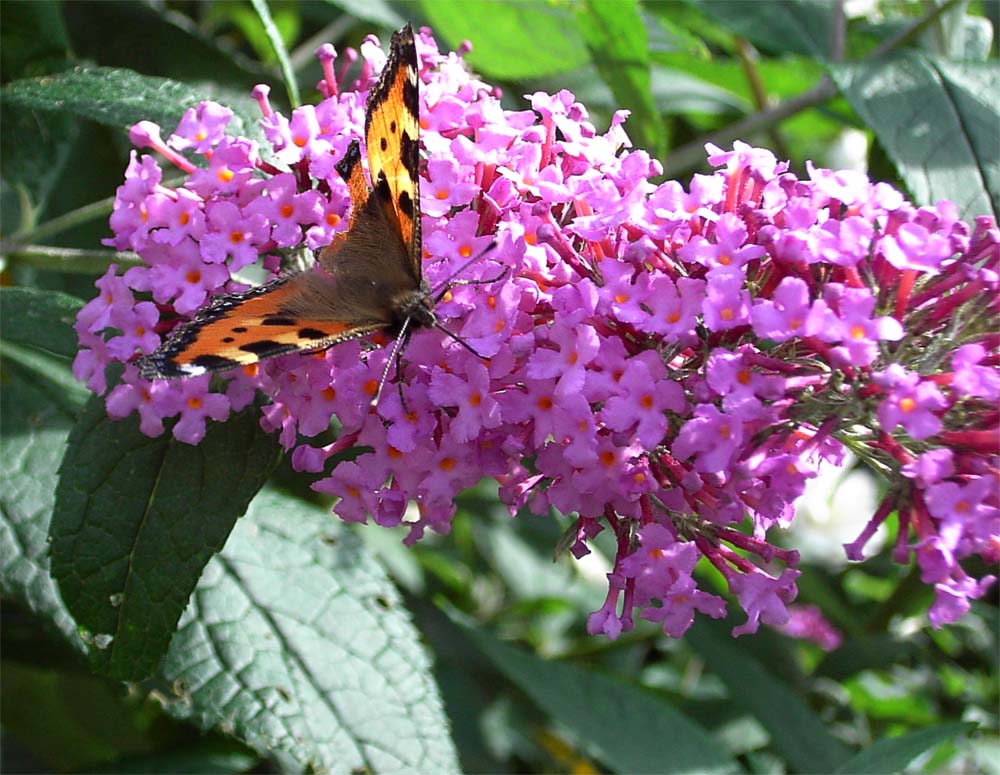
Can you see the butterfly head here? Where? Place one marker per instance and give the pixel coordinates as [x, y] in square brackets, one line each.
[417, 307]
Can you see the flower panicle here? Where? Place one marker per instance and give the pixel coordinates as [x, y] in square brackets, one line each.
[672, 363]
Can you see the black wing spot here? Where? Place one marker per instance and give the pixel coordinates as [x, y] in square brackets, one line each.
[228, 340]
[265, 347]
[239, 329]
[277, 320]
[311, 333]
[384, 145]
[406, 203]
[392, 126]
[382, 188]
[409, 151]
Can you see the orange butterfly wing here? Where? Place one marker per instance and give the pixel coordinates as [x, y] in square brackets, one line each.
[359, 277]
[242, 329]
[392, 137]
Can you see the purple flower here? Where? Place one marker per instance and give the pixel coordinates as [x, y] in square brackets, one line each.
[764, 598]
[789, 313]
[233, 234]
[853, 326]
[970, 378]
[711, 438]
[808, 623]
[477, 409]
[911, 402]
[201, 128]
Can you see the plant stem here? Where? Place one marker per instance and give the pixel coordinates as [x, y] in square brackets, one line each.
[62, 222]
[70, 260]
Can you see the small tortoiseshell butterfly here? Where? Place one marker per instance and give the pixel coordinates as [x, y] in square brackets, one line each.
[369, 279]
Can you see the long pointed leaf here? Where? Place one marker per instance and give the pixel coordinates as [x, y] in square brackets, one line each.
[627, 727]
[795, 730]
[135, 521]
[937, 122]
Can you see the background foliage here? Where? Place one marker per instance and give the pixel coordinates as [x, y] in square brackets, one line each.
[304, 645]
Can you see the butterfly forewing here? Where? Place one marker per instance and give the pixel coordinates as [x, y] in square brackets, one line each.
[368, 279]
[392, 138]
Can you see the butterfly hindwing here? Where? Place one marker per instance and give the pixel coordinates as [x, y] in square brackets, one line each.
[243, 329]
[392, 139]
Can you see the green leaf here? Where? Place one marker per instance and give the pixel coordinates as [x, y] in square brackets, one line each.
[937, 122]
[895, 753]
[280, 52]
[157, 39]
[42, 319]
[34, 149]
[296, 641]
[136, 520]
[511, 40]
[38, 403]
[375, 11]
[35, 427]
[616, 37]
[627, 727]
[118, 98]
[38, 336]
[798, 733]
[779, 26]
[870, 652]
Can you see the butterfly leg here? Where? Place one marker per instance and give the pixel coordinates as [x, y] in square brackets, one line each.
[399, 376]
[395, 357]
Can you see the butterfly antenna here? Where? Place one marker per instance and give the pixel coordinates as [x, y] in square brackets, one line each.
[461, 341]
[447, 284]
[394, 356]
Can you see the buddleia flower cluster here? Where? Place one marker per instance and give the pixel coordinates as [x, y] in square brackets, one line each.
[669, 363]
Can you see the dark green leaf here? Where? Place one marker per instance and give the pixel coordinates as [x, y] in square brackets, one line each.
[34, 148]
[117, 98]
[865, 653]
[40, 319]
[135, 521]
[296, 641]
[155, 39]
[616, 38]
[38, 403]
[795, 730]
[895, 753]
[35, 427]
[510, 39]
[627, 727]
[778, 26]
[938, 123]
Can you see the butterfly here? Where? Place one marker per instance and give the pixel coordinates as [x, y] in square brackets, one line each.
[369, 279]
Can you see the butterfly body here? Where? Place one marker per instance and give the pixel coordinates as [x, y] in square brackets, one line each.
[369, 279]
